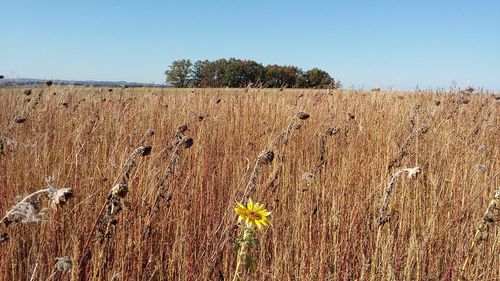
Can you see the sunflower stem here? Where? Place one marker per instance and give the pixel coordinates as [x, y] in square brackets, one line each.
[242, 251]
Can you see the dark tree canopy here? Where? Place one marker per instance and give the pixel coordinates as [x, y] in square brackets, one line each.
[236, 73]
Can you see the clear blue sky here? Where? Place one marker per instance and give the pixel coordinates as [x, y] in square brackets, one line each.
[362, 43]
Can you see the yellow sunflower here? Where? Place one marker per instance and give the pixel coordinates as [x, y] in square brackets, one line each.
[252, 214]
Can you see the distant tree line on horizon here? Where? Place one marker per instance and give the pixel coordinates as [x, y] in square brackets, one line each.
[236, 73]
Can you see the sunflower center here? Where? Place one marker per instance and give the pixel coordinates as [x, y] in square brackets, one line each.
[254, 215]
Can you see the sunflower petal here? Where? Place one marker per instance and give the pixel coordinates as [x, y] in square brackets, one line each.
[250, 204]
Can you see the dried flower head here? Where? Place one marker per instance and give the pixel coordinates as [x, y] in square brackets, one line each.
[120, 190]
[413, 172]
[187, 142]
[482, 148]
[423, 129]
[63, 263]
[4, 237]
[302, 115]
[19, 119]
[309, 177]
[150, 132]
[182, 128]
[25, 211]
[48, 83]
[27, 92]
[332, 131]
[266, 157]
[146, 151]
[493, 212]
[59, 196]
[481, 168]
[296, 126]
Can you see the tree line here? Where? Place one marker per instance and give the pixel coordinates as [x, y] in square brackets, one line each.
[236, 73]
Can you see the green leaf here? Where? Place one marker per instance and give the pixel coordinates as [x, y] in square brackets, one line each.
[252, 242]
[249, 262]
[236, 247]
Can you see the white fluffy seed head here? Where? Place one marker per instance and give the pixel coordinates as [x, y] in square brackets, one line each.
[59, 196]
[413, 172]
[63, 263]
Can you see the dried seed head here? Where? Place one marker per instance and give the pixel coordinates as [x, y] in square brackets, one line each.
[199, 118]
[266, 157]
[48, 83]
[469, 89]
[413, 172]
[482, 148]
[187, 142]
[332, 131]
[490, 216]
[182, 128]
[4, 237]
[296, 126]
[302, 115]
[27, 92]
[481, 168]
[59, 196]
[1, 76]
[423, 129]
[146, 151]
[493, 212]
[150, 132]
[309, 177]
[120, 190]
[24, 212]
[19, 119]
[63, 263]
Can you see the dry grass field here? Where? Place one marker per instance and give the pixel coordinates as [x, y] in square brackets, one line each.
[342, 206]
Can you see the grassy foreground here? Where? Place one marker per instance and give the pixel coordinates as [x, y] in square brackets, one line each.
[342, 207]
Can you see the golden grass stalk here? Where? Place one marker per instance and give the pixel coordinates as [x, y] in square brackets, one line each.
[485, 226]
[106, 218]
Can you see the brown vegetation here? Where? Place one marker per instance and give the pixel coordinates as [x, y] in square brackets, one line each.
[361, 185]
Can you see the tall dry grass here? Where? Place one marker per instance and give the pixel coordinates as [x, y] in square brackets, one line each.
[326, 186]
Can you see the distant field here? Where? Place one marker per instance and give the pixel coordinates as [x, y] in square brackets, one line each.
[333, 215]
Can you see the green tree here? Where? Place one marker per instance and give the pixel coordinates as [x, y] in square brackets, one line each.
[284, 76]
[317, 78]
[241, 73]
[203, 74]
[179, 73]
[219, 70]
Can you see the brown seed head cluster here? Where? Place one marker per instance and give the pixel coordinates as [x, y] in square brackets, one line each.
[266, 157]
